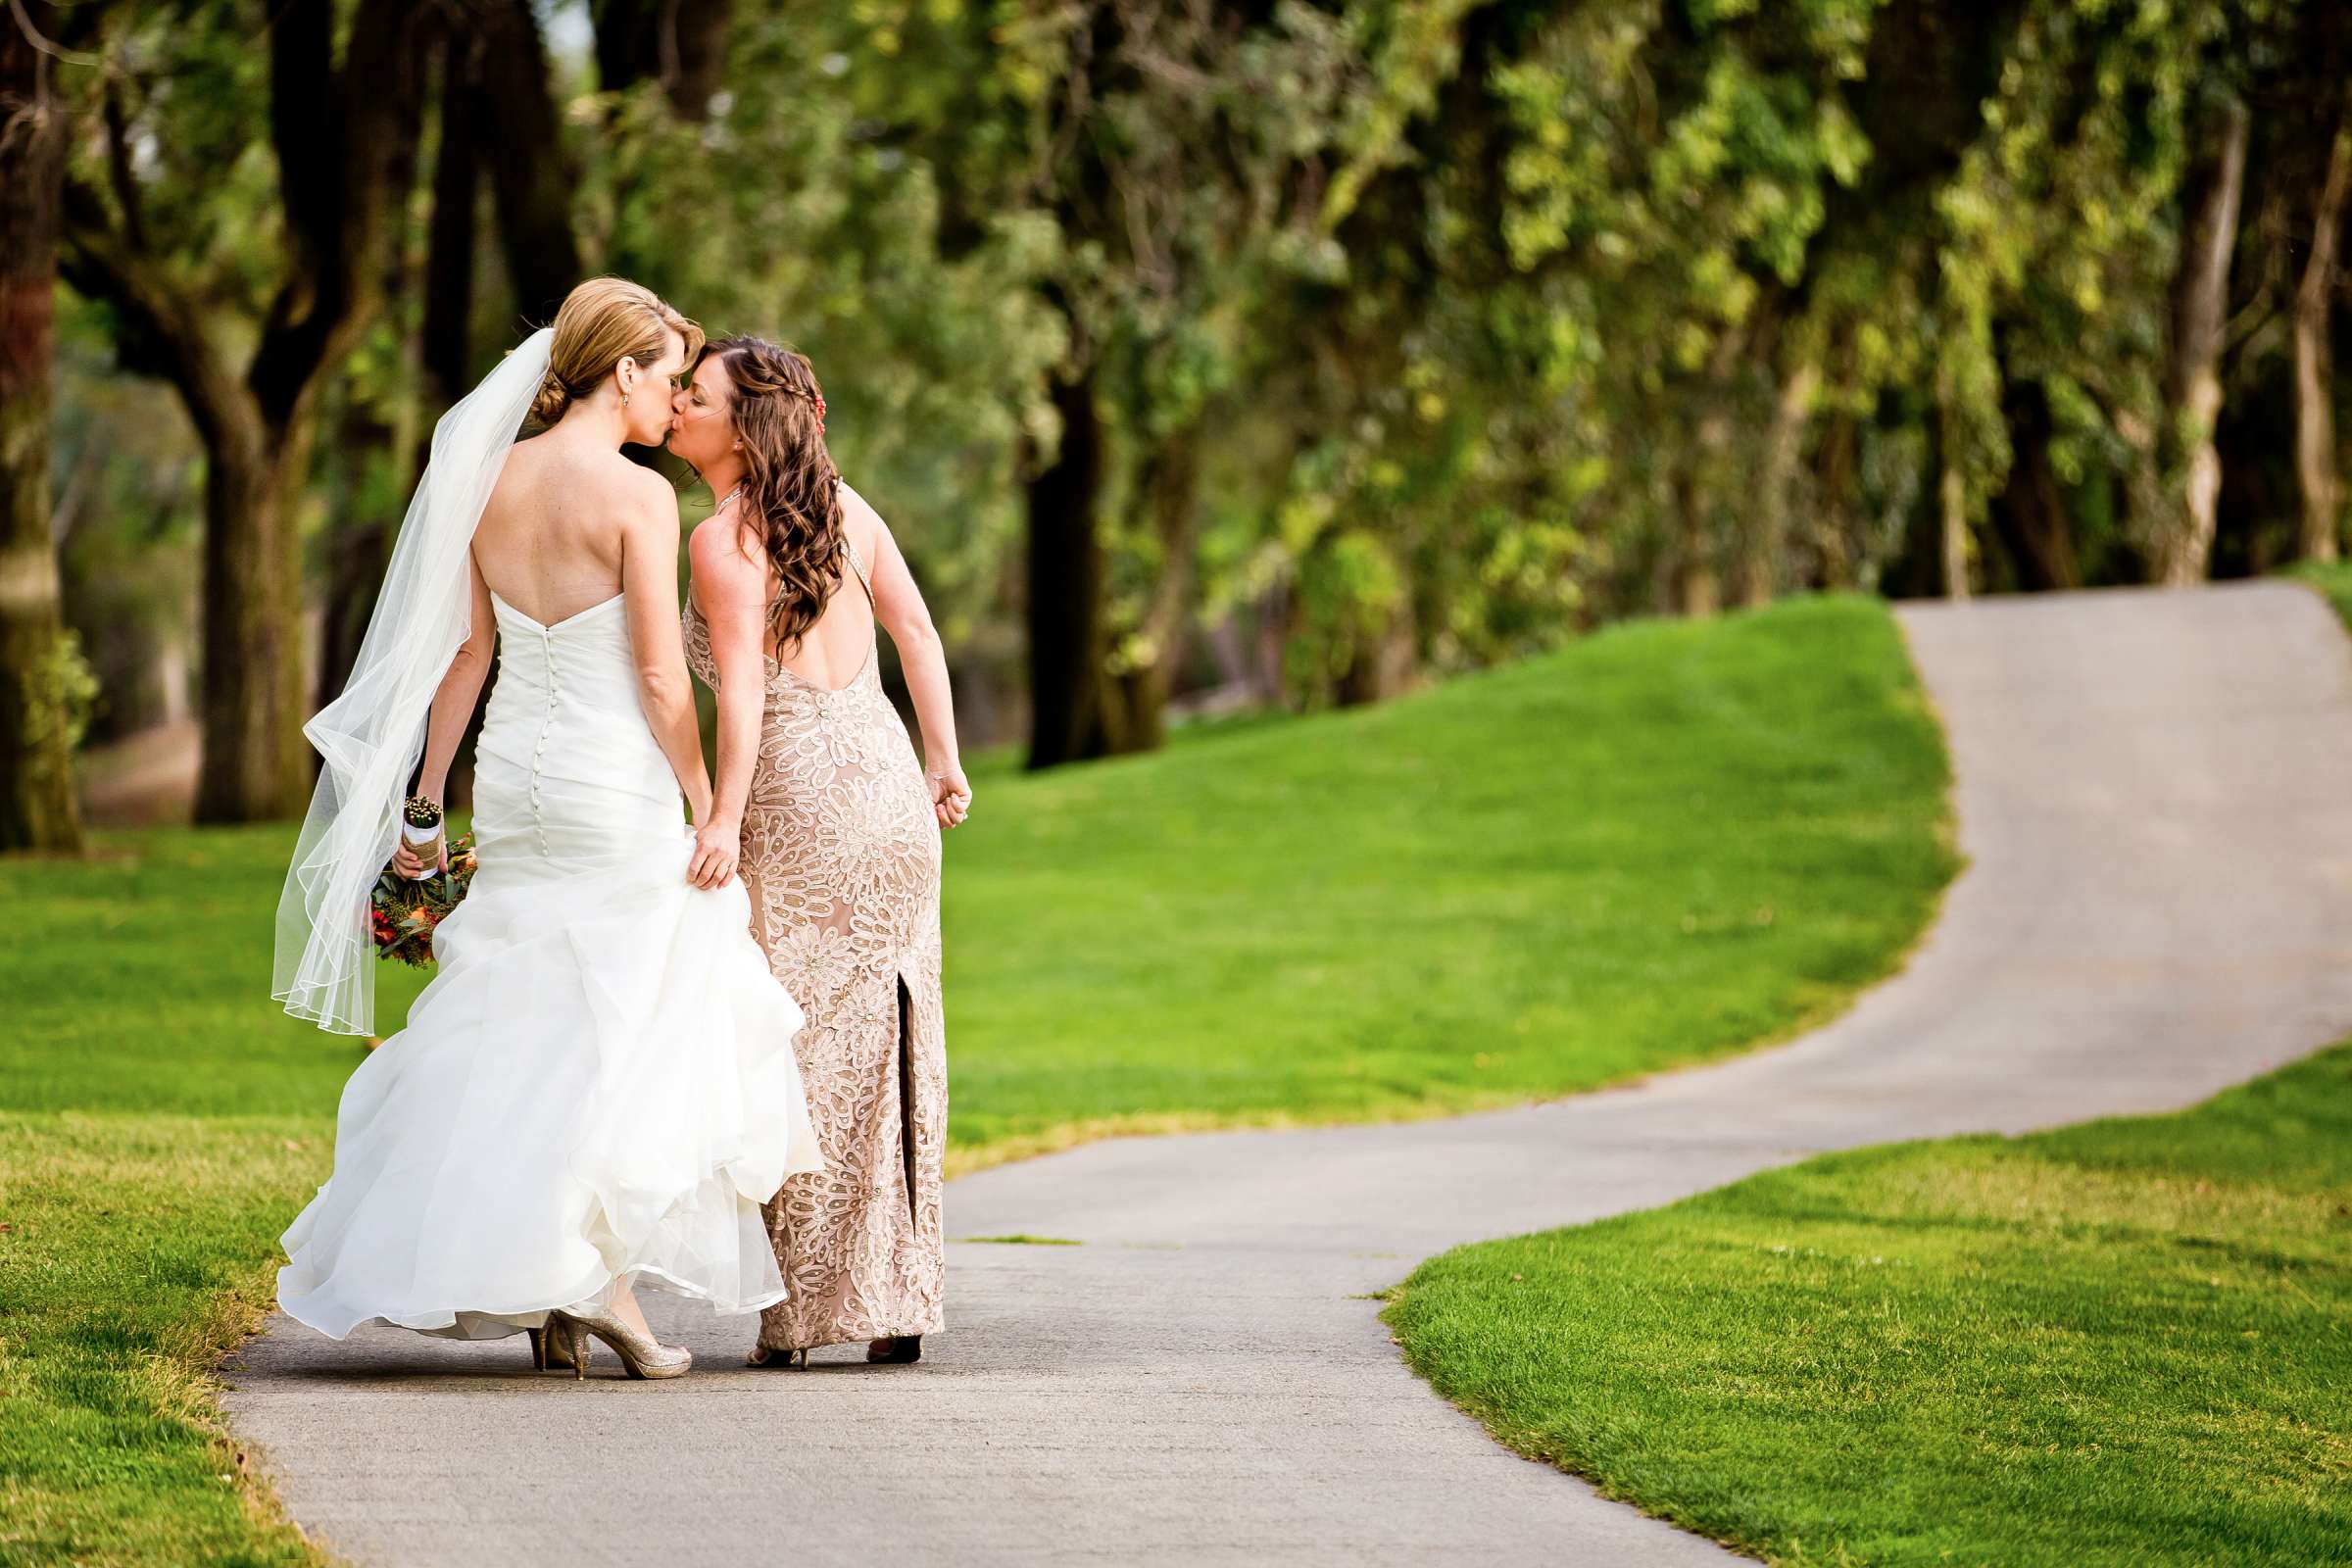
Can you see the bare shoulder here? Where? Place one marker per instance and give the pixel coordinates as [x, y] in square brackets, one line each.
[643, 507]
[867, 530]
[856, 505]
[719, 547]
[643, 489]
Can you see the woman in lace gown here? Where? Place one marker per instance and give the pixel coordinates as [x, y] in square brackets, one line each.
[598, 1088]
[841, 838]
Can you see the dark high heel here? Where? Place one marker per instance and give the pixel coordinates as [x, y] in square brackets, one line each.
[905, 1349]
[764, 1356]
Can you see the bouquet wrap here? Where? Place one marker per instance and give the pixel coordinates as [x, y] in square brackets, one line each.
[420, 829]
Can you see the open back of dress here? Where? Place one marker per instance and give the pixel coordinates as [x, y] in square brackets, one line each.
[840, 852]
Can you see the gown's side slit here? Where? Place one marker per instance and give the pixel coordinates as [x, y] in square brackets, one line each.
[907, 1122]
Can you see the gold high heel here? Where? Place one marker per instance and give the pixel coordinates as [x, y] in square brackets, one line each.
[554, 1346]
[641, 1355]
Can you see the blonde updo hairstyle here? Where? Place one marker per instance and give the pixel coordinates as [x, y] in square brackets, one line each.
[601, 322]
[791, 489]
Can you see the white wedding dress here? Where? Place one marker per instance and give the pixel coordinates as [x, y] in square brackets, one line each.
[599, 1082]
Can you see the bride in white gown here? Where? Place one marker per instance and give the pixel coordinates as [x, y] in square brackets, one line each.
[598, 1086]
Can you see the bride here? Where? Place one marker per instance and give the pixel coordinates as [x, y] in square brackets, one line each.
[598, 1086]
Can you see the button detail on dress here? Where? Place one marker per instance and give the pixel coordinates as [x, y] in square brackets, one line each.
[546, 723]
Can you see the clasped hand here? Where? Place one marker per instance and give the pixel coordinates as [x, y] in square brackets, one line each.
[718, 846]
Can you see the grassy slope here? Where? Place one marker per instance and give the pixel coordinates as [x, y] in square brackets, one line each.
[1663, 843]
[1668, 842]
[2333, 580]
[2123, 1342]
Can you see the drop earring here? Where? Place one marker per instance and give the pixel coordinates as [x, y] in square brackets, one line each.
[624, 400]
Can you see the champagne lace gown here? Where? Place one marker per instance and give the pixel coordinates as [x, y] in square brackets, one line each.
[841, 858]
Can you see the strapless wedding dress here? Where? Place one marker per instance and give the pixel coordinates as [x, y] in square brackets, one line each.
[599, 1082]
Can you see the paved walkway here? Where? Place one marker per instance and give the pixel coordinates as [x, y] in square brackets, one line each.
[2155, 793]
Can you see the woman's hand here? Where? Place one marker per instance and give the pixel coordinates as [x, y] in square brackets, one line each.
[718, 846]
[405, 859]
[950, 794]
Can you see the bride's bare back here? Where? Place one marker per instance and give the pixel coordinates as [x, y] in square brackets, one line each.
[573, 525]
[552, 540]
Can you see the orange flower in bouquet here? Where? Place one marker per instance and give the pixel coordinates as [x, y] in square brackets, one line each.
[403, 912]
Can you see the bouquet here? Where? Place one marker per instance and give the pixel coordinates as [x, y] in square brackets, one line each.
[404, 911]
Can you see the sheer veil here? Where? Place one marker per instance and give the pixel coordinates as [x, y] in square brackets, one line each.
[371, 736]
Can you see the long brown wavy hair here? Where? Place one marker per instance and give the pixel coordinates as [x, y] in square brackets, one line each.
[791, 490]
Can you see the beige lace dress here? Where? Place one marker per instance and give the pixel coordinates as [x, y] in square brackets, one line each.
[841, 858]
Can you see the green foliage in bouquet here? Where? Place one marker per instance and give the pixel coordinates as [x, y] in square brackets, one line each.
[403, 912]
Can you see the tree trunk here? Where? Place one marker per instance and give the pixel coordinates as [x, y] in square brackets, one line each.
[359, 543]
[700, 29]
[2032, 514]
[1695, 589]
[682, 44]
[1951, 497]
[530, 176]
[1833, 529]
[1701, 480]
[1774, 504]
[449, 290]
[254, 753]
[1692, 586]
[1382, 671]
[357, 549]
[2201, 316]
[1270, 642]
[1172, 491]
[2314, 369]
[37, 805]
[1066, 679]
[448, 346]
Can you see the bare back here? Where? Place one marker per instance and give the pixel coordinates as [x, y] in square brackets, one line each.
[551, 539]
[836, 646]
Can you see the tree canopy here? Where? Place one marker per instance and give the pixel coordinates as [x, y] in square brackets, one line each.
[1210, 353]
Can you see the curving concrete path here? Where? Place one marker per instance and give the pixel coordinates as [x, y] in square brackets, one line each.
[2155, 792]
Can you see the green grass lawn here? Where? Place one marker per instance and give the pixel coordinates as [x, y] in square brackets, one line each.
[2123, 1342]
[2333, 579]
[1668, 842]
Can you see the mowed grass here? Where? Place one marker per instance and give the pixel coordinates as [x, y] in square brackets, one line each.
[2333, 579]
[1666, 843]
[160, 1123]
[2123, 1342]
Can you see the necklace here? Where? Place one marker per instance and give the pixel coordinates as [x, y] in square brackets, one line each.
[732, 493]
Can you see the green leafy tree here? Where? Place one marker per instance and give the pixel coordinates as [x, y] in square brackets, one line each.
[231, 208]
